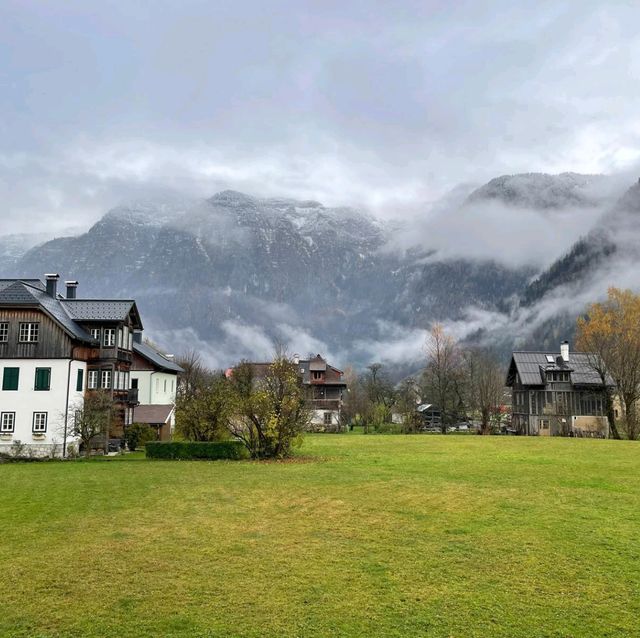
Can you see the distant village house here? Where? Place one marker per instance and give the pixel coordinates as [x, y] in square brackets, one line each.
[558, 394]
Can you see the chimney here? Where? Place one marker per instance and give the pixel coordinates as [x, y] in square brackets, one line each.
[52, 284]
[564, 351]
[72, 286]
[137, 336]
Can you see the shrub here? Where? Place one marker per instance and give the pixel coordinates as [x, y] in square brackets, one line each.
[138, 434]
[390, 428]
[186, 450]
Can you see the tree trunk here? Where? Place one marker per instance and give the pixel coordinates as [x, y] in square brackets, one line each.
[611, 415]
[485, 428]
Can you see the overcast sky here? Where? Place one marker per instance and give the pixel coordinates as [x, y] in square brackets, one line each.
[378, 104]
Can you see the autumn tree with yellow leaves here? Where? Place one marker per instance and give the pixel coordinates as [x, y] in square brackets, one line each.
[611, 331]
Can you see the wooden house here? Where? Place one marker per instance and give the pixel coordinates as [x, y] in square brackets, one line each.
[558, 394]
[53, 350]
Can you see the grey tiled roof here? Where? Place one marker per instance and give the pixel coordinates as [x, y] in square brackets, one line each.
[97, 309]
[155, 357]
[66, 312]
[532, 365]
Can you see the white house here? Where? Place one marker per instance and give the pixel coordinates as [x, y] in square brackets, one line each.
[53, 350]
[155, 377]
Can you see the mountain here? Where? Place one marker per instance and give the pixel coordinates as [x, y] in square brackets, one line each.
[229, 275]
[614, 237]
[544, 192]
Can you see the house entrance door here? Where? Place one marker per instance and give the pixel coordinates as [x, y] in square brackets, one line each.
[545, 430]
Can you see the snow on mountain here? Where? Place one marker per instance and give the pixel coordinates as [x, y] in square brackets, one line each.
[231, 271]
[543, 191]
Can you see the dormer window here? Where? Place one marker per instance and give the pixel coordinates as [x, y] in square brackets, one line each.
[317, 374]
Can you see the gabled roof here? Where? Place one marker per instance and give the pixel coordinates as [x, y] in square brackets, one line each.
[156, 358]
[332, 376]
[32, 293]
[66, 312]
[531, 367]
[102, 310]
[152, 414]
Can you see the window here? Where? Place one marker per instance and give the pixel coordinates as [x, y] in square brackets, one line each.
[130, 341]
[119, 337]
[43, 379]
[95, 333]
[317, 374]
[106, 379]
[39, 422]
[4, 332]
[125, 338]
[80, 380]
[550, 358]
[29, 332]
[92, 380]
[7, 422]
[328, 418]
[10, 378]
[173, 385]
[165, 386]
[109, 337]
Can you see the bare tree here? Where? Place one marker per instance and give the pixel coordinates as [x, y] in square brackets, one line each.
[195, 373]
[443, 374]
[485, 384]
[92, 419]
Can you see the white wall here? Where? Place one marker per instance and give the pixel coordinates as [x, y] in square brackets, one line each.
[317, 417]
[25, 401]
[155, 388]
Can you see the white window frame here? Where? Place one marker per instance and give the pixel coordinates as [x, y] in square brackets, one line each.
[4, 331]
[125, 338]
[328, 418]
[109, 338]
[29, 332]
[105, 379]
[39, 423]
[119, 337]
[7, 422]
[95, 333]
[92, 379]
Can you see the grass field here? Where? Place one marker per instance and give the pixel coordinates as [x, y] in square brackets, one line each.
[364, 536]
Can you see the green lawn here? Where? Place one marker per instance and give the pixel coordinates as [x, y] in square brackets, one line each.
[364, 536]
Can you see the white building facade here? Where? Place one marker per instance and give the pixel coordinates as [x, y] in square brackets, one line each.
[38, 398]
[54, 350]
[154, 376]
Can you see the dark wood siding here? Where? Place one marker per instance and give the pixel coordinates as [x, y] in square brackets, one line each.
[53, 342]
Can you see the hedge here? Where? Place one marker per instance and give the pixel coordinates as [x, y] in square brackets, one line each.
[196, 450]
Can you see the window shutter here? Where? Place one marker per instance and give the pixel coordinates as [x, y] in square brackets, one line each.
[43, 378]
[80, 381]
[10, 378]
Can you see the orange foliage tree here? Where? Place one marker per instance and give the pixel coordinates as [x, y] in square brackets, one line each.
[611, 331]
